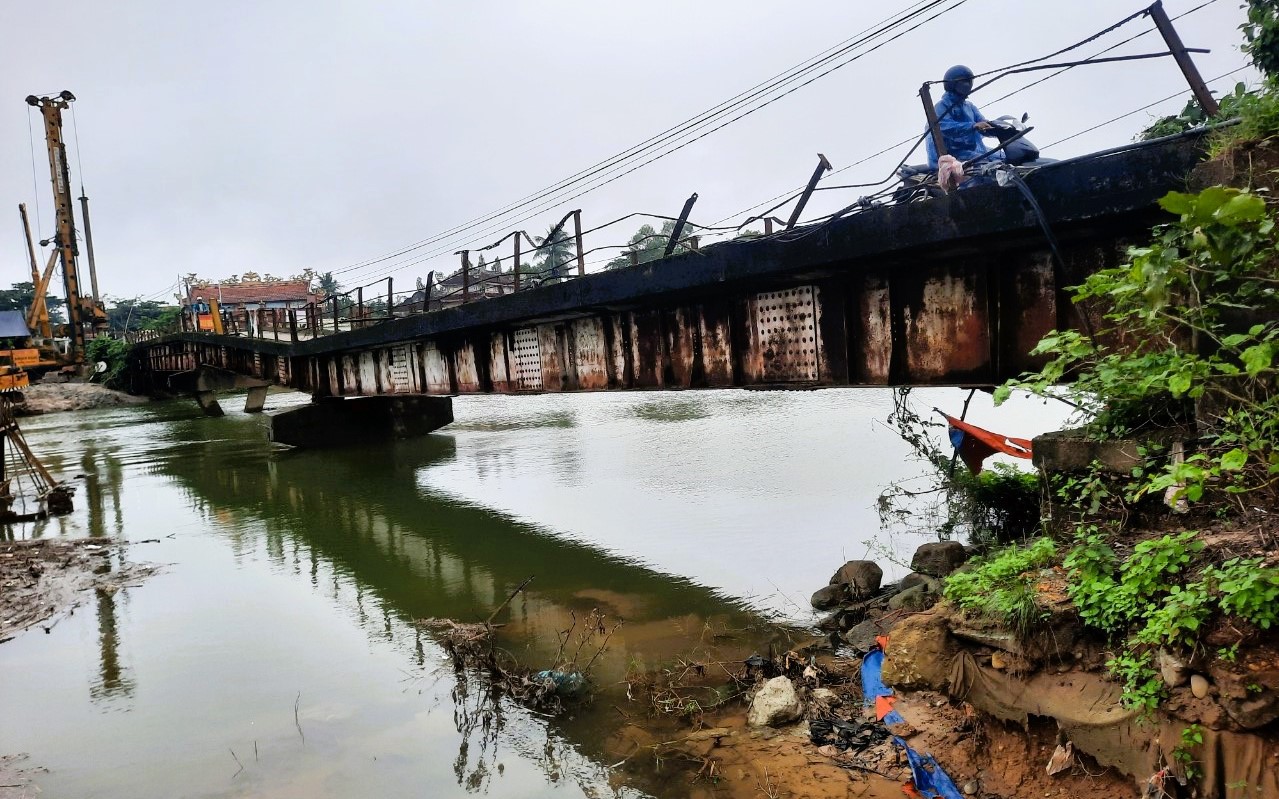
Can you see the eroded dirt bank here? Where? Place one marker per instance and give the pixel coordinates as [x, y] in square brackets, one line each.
[43, 398]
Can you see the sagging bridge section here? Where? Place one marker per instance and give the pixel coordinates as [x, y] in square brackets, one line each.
[950, 291]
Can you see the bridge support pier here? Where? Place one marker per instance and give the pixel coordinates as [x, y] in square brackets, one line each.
[208, 401]
[256, 400]
[335, 421]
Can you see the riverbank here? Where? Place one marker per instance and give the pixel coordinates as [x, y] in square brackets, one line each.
[42, 398]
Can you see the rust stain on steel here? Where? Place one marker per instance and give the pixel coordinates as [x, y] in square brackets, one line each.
[1027, 311]
[679, 348]
[715, 338]
[550, 342]
[947, 328]
[368, 373]
[874, 345]
[499, 373]
[618, 334]
[350, 375]
[468, 375]
[437, 370]
[590, 351]
[646, 348]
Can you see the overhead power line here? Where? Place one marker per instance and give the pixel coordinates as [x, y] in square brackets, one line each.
[755, 97]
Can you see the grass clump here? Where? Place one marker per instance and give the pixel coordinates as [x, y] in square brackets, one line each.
[1002, 585]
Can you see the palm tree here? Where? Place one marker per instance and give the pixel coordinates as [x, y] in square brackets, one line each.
[559, 250]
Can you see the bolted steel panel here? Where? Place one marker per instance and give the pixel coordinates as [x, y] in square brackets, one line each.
[527, 358]
[785, 335]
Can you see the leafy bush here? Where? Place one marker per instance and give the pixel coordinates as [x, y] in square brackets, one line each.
[1261, 36]
[1198, 316]
[113, 353]
[1002, 586]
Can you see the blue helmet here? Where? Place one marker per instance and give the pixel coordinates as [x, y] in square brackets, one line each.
[958, 79]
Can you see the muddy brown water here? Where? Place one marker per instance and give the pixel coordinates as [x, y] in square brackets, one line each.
[275, 654]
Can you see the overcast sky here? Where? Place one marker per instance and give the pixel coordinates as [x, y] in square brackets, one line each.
[270, 136]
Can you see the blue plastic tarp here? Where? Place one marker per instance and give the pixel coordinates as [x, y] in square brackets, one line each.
[873, 684]
[930, 779]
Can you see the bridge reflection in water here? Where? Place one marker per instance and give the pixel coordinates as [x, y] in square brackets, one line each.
[359, 527]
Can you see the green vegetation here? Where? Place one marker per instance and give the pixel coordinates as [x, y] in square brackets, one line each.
[134, 313]
[1002, 586]
[650, 244]
[20, 295]
[1261, 36]
[999, 505]
[1199, 317]
[112, 352]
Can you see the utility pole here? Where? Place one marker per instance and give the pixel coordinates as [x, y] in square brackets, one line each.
[81, 310]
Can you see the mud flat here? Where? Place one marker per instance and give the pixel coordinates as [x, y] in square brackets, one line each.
[44, 579]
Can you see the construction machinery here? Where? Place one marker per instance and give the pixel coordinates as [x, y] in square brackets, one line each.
[85, 314]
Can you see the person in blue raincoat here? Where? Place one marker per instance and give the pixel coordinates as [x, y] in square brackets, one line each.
[961, 122]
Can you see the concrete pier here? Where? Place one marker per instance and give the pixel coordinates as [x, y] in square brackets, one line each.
[334, 421]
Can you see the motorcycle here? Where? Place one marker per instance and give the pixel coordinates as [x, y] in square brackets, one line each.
[919, 181]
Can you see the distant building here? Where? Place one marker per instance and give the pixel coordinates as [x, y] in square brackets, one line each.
[252, 295]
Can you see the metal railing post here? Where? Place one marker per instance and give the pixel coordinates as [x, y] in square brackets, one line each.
[517, 260]
[930, 113]
[466, 276]
[679, 225]
[577, 235]
[359, 306]
[293, 325]
[1206, 101]
[390, 299]
[430, 286]
[335, 313]
[822, 167]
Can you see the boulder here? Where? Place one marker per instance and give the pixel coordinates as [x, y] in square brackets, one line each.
[920, 653]
[862, 636]
[862, 576]
[938, 558]
[830, 596]
[917, 597]
[774, 704]
[1199, 685]
[1173, 669]
[915, 578]
[1253, 711]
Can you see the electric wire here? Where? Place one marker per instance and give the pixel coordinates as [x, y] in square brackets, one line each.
[1139, 110]
[35, 186]
[549, 203]
[705, 116]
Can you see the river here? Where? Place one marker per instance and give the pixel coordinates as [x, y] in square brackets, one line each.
[276, 653]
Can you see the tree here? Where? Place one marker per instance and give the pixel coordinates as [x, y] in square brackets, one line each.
[1261, 36]
[134, 313]
[329, 284]
[651, 244]
[21, 295]
[558, 251]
